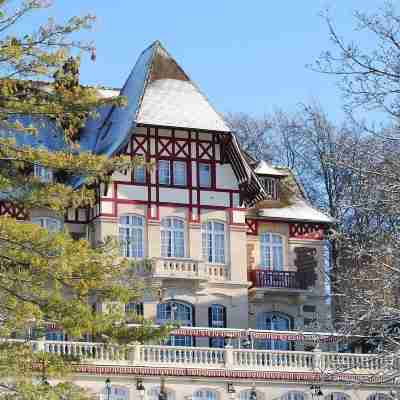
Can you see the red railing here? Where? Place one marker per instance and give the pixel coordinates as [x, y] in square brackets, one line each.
[262, 278]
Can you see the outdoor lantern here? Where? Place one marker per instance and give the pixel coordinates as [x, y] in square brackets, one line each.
[140, 388]
[231, 390]
[253, 394]
[316, 391]
[108, 388]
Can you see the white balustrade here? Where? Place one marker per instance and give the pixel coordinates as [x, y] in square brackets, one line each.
[232, 358]
[217, 272]
[178, 268]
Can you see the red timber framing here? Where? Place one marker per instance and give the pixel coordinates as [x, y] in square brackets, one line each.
[189, 146]
[9, 209]
[307, 230]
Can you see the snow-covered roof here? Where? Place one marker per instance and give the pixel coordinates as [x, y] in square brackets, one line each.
[264, 168]
[298, 210]
[178, 103]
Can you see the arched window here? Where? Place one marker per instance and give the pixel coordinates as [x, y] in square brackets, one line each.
[379, 396]
[271, 251]
[172, 237]
[274, 321]
[217, 319]
[246, 395]
[51, 224]
[205, 394]
[179, 312]
[154, 392]
[116, 393]
[337, 396]
[293, 395]
[131, 236]
[213, 242]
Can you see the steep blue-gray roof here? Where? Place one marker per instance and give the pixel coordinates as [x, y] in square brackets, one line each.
[48, 134]
[110, 133]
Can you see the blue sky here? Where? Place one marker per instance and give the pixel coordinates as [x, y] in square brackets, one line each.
[246, 56]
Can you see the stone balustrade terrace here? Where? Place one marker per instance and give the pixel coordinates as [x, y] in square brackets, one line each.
[219, 358]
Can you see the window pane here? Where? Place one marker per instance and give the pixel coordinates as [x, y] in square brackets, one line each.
[180, 173]
[164, 172]
[204, 175]
[53, 225]
[172, 237]
[131, 236]
[271, 248]
[213, 241]
[44, 174]
[139, 174]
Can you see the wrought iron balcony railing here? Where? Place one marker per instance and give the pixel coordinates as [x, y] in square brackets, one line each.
[263, 278]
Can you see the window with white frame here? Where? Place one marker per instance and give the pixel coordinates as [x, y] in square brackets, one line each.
[273, 321]
[131, 236]
[44, 174]
[205, 394]
[379, 396]
[271, 187]
[213, 242]
[217, 319]
[180, 175]
[116, 393]
[293, 395]
[204, 175]
[139, 174]
[338, 396]
[164, 172]
[53, 225]
[271, 251]
[172, 237]
[182, 313]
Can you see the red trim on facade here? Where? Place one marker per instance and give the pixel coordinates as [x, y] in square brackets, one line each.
[13, 210]
[252, 226]
[305, 230]
[226, 373]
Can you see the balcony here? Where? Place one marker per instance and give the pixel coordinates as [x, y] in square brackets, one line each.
[228, 359]
[288, 280]
[184, 268]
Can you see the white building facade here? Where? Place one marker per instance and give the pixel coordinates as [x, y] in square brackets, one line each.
[236, 254]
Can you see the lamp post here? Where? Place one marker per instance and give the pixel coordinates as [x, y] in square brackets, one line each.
[163, 394]
[253, 394]
[316, 391]
[108, 388]
[231, 390]
[140, 388]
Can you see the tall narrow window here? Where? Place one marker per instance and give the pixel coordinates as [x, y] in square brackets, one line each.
[180, 173]
[271, 251]
[51, 224]
[139, 174]
[172, 237]
[271, 187]
[44, 174]
[217, 319]
[131, 235]
[204, 175]
[164, 172]
[213, 238]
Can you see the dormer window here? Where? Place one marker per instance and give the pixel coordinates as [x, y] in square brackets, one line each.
[271, 187]
[44, 174]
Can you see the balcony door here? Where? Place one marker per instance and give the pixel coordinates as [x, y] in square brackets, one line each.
[273, 321]
[179, 312]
